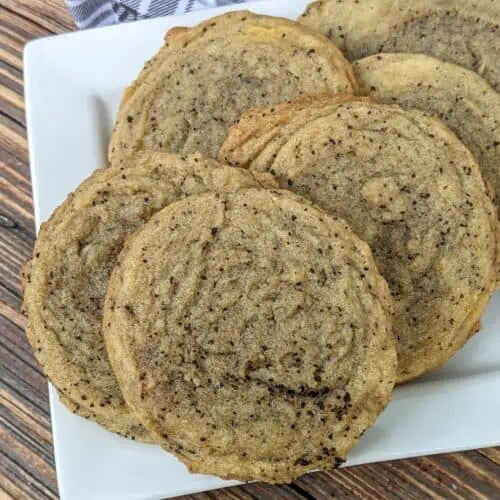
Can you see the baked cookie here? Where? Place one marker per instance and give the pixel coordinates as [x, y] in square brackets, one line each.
[407, 186]
[250, 332]
[466, 102]
[464, 32]
[73, 258]
[204, 77]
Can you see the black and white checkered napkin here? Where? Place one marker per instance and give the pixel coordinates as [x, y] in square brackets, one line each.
[92, 13]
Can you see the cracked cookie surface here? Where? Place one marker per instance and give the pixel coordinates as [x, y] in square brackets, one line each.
[251, 334]
[204, 77]
[408, 187]
[74, 254]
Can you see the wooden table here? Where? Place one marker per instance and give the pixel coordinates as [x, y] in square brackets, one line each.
[26, 454]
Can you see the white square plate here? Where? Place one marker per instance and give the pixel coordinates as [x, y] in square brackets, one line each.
[73, 87]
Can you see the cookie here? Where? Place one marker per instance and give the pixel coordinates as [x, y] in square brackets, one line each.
[407, 186]
[250, 332]
[464, 32]
[461, 98]
[72, 261]
[204, 77]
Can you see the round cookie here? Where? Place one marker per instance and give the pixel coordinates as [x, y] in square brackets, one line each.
[203, 78]
[464, 32]
[250, 332]
[408, 187]
[72, 261]
[464, 100]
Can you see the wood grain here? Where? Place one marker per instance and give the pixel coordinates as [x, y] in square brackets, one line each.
[26, 454]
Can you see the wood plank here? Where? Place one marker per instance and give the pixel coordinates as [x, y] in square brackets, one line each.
[9, 79]
[49, 15]
[14, 164]
[492, 454]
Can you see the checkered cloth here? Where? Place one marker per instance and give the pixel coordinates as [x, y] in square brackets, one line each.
[92, 13]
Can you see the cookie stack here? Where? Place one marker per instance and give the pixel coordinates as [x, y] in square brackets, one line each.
[280, 237]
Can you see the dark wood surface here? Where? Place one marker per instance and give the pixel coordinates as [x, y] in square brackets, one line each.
[26, 454]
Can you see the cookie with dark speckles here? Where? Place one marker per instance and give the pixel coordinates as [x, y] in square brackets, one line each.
[464, 32]
[406, 185]
[251, 334]
[72, 261]
[460, 97]
[204, 77]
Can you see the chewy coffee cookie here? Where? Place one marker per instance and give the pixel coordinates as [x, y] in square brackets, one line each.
[251, 333]
[464, 32]
[72, 261]
[460, 97]
[204, 77]
[407, 186]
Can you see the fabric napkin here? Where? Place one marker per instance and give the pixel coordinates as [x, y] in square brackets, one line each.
[92, 13]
